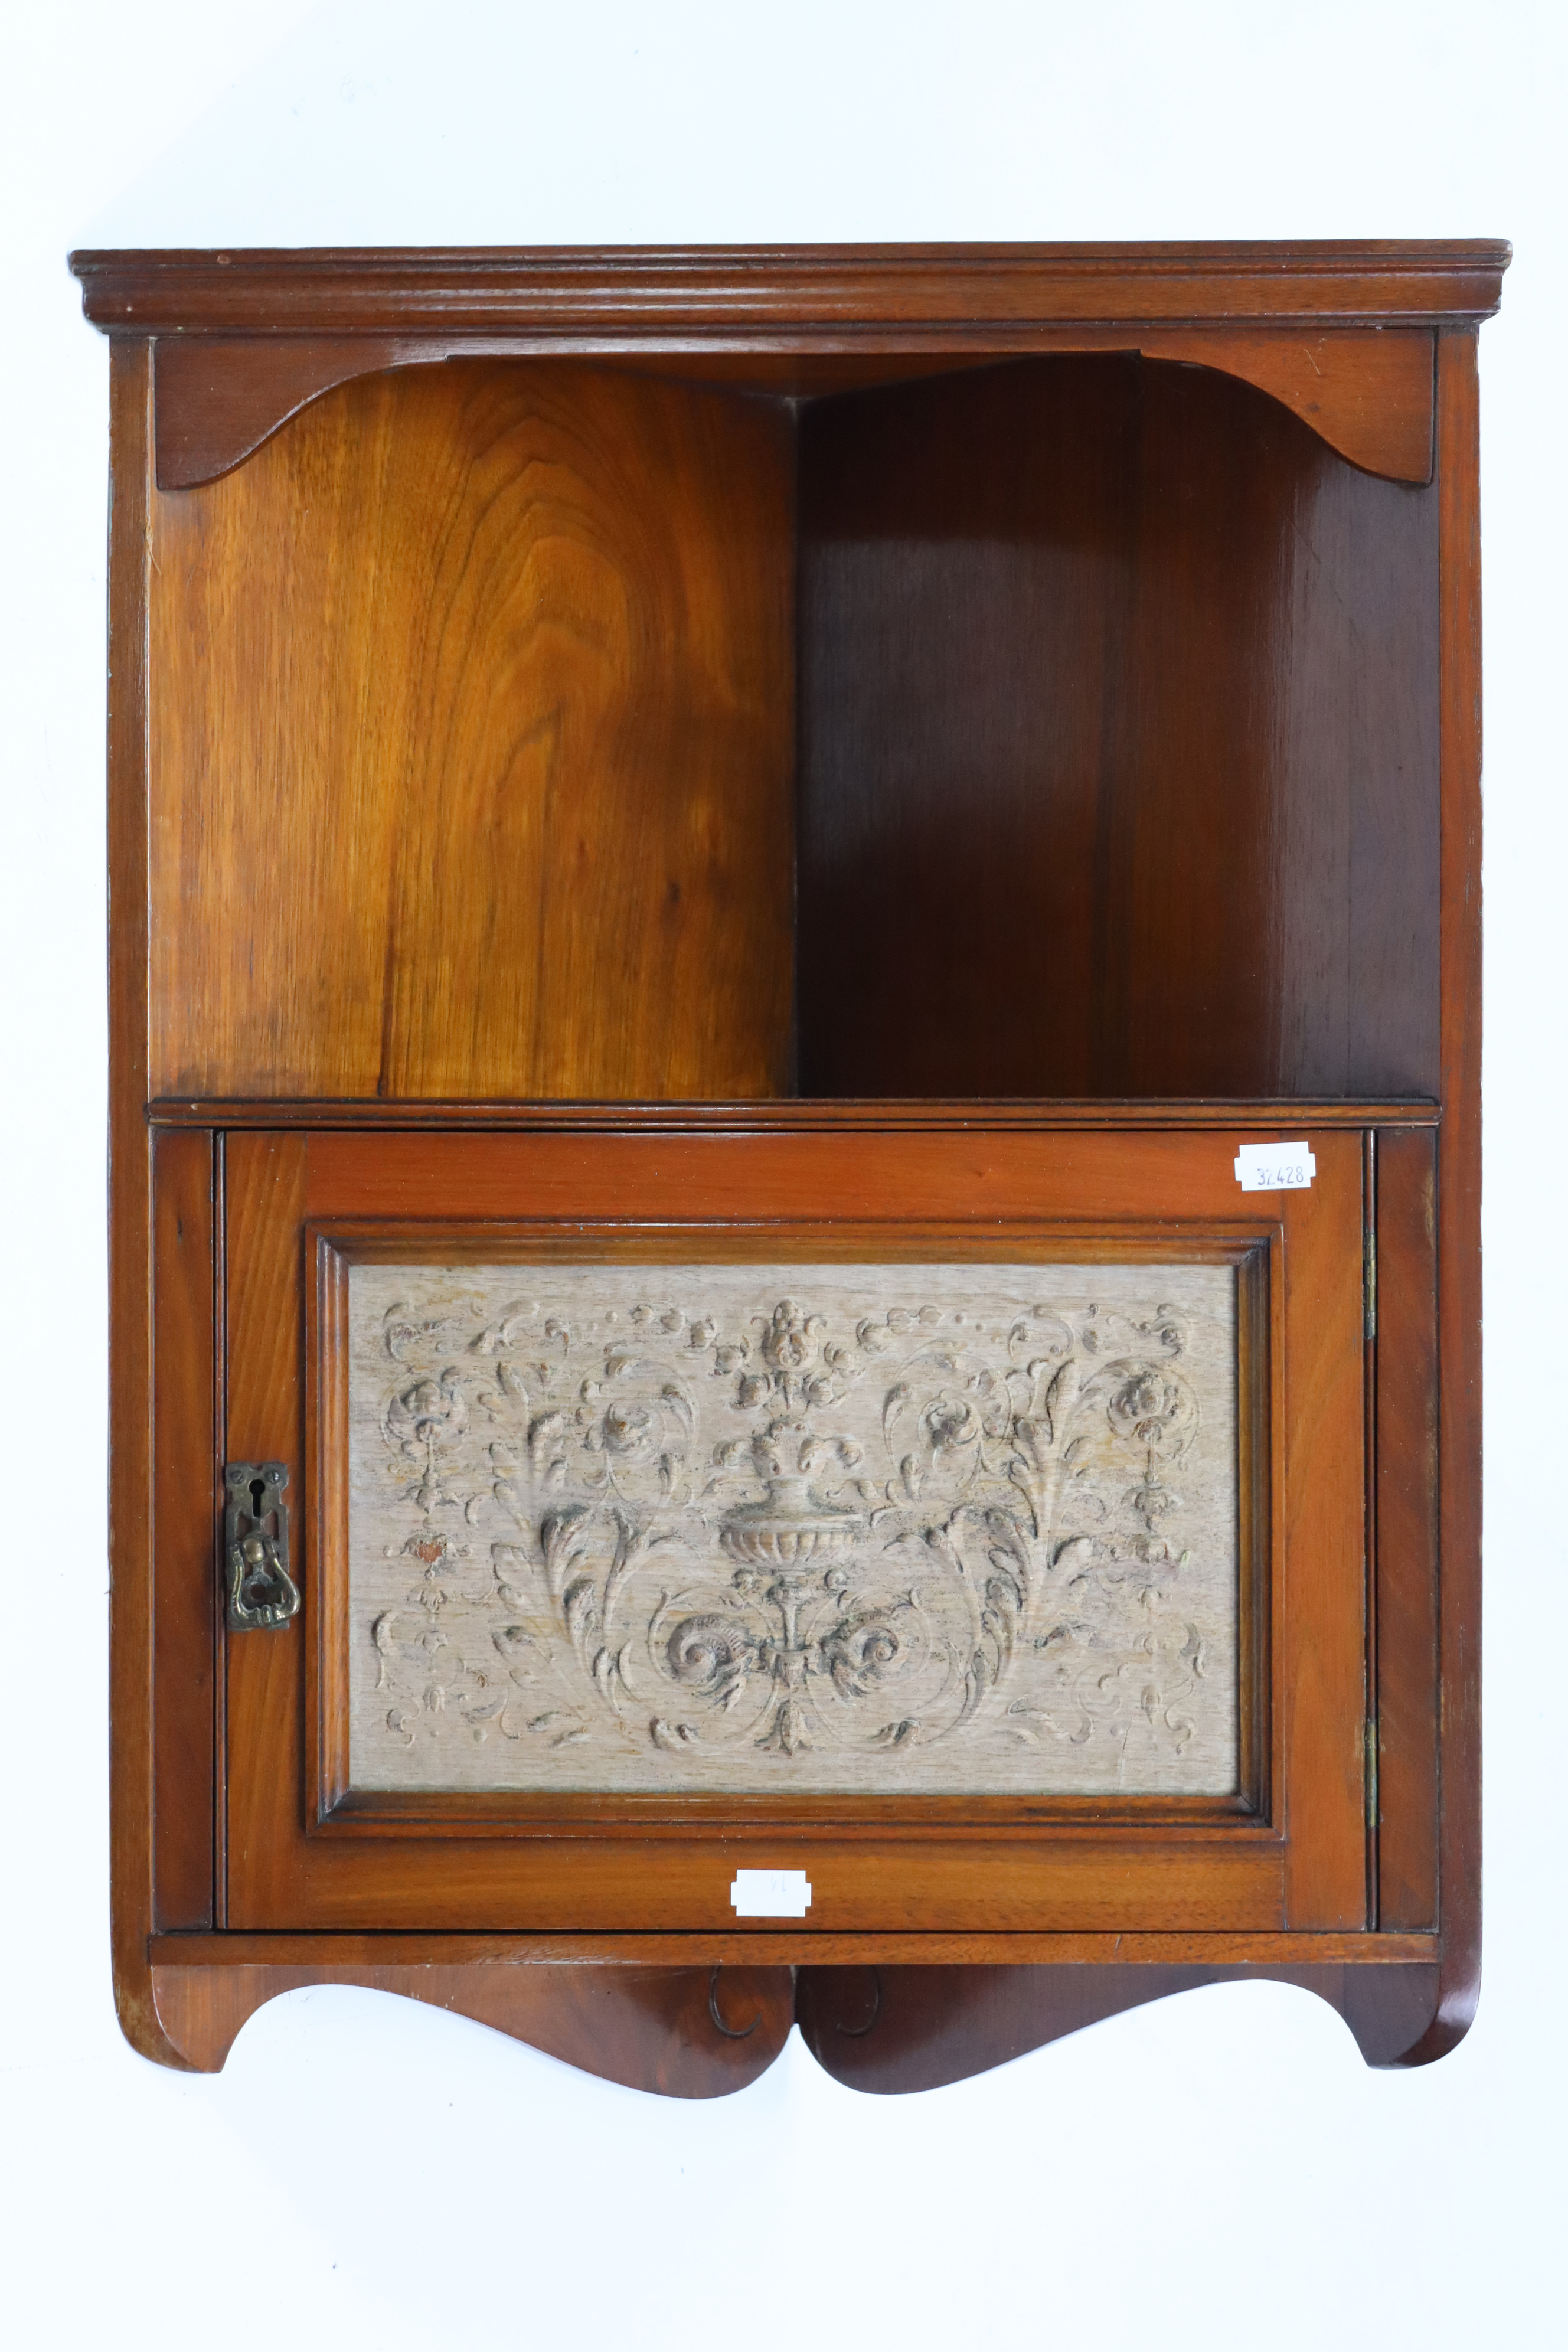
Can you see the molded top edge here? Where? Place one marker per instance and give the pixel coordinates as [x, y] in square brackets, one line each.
[782, 292]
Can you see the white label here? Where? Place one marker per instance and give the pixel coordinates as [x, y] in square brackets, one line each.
[1274, 1167]
[771, 1894]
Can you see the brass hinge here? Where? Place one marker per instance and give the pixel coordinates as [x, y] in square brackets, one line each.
[261, 1593]
[1369, 1281]
[1372, 1772]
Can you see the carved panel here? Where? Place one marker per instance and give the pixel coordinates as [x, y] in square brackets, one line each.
[807, 1528]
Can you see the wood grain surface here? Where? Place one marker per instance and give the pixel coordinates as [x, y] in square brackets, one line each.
[1263, 1118]
[1459, 1199]
[453, 809]
[792, 1946]
[1367, 391]
[696, 2018]
[663, 1873]
[129, 1529]
[219, 398]
[900, 2028]
[1119, 765]
[687, 2033]
[1320, 1615]
[1406, 1522]
[186, 1651]
[472, 747]
[773, 293]
[265, 1200]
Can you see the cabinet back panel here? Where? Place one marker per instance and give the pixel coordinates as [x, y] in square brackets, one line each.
[472, 746]
[1118, 744]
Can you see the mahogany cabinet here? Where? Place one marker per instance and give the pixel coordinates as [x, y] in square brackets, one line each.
[795, 963]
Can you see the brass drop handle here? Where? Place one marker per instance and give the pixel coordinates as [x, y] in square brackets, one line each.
[261, 1593]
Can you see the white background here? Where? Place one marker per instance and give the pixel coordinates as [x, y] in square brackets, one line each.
[1218, 2171]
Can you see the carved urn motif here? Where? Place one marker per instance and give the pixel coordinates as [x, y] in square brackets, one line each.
[790, 1526]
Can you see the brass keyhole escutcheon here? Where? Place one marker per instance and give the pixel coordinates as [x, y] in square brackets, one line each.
[261, 1592]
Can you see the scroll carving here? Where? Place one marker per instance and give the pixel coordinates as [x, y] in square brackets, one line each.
[821, 1527]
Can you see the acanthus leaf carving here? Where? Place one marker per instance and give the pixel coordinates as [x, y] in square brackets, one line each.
[735, 1524]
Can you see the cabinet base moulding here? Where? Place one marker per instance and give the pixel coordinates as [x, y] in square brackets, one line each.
[698, 2016]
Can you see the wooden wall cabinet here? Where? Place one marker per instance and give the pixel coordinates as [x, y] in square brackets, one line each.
[717, 860]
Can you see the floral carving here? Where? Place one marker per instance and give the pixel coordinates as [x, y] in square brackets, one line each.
[745, 1522]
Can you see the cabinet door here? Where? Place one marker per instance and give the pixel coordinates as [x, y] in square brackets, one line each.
[973, 1520]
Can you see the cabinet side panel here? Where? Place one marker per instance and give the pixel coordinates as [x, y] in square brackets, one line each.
[1460, 1196]
[184, 1491]
[129, 1211]
[1406, 1519]
[472, 761]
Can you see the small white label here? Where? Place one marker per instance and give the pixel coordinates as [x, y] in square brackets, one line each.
[771, 1894]
[1274, 1167]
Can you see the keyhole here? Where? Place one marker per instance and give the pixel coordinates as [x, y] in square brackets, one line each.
[257, 1488]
